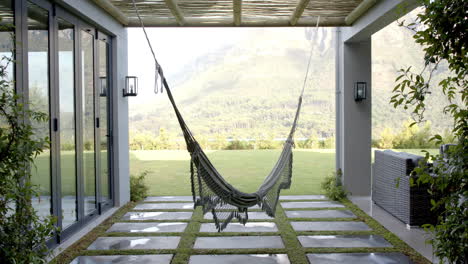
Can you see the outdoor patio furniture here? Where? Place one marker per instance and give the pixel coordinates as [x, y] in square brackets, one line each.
[391, 188]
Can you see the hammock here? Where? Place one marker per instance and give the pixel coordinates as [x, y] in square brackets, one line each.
[209, 189]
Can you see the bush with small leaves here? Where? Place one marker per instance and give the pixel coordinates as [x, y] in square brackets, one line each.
[138, 187]
[333, 187]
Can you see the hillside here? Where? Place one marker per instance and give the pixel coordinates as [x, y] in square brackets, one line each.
[249, 89]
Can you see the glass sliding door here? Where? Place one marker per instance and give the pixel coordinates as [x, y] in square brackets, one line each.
[88, 121]
[61, 68]
[66, 77]
[6, 39]
[104, 132]
[39, 98]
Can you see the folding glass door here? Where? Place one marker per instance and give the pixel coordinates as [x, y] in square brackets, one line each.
[66, 75]
[104, 120]
[66, 61]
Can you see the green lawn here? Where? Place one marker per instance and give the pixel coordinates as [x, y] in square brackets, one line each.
[170, 172]
[245, 169]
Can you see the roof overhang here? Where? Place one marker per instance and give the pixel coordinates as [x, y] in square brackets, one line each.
[243, 13]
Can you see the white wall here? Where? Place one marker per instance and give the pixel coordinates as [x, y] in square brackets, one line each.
[355, 117]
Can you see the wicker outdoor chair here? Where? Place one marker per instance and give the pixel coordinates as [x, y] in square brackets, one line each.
[410, 204]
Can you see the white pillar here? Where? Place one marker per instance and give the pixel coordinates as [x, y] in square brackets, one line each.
[353, 119]
[354, 125]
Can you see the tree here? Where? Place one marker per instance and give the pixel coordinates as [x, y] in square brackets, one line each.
[442, 30]
[386, 139]
[163, 139]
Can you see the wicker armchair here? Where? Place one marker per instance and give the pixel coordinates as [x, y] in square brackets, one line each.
[410, 204]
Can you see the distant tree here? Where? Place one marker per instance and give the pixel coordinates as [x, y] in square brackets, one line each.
[387, 139]
[163, 139]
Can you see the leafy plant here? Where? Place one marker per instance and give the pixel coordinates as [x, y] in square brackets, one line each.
[333, 187]
[23, 233]
[442, 30]
[238, 144]
[138, 187]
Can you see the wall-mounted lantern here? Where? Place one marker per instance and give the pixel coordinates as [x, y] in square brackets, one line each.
[360, 90]
[103, 86]
[131, 86]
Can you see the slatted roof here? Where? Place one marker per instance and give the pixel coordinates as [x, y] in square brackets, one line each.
[256, 13]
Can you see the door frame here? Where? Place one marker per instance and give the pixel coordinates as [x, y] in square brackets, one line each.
[55, 11]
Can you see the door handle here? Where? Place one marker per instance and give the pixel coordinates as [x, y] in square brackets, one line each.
[55, 124]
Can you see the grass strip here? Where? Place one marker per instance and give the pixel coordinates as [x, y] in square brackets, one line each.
[295, 251]
[79, 247]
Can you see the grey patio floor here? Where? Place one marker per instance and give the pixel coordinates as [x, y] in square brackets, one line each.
[162, 229]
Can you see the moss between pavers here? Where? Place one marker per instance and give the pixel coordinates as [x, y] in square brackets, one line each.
[296, 253]
[79, 247]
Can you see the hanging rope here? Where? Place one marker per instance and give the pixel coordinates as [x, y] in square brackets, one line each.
[158, 68]
[310, 59]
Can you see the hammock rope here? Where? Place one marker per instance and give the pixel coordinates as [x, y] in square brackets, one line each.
[209, 189]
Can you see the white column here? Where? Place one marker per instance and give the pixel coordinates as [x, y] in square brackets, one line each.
[121, 148]
[354, 124]
[353, 119]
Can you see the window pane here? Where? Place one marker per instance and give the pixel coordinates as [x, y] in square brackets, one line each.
[89, 165]
[38, 74]
[6, 38]
[103, 104]
[66, 60]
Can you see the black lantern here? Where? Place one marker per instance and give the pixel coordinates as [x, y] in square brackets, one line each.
[360, 91]
[103, 86]
[131, 86]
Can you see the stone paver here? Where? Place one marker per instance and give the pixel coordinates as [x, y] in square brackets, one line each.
[359, 258]
[320, 214]
[161, 206]
[147, 242]
[169, 199]
[147, 227]
[240, 259]
[252, 216]
[330, 226]
[124, 259]
[238, 227]
[302, 197]
[327, 204]
[344, 241]
[141, 216]
[181, 203]
[239, 242]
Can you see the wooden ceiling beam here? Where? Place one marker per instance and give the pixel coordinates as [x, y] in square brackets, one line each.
[201, 22]
[301, 6]
[360, 10]
[112, 10]
[176, 12]
[237, 8]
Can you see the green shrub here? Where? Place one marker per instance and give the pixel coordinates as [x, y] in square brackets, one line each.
[237, 144]
[441, 30]
[23, 232]
[268, 144]
[333, 187]
[138, 187]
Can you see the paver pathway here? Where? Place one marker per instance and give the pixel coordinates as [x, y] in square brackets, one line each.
[157, 227]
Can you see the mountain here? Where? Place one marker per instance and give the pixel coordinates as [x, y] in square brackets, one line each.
[249, 88]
